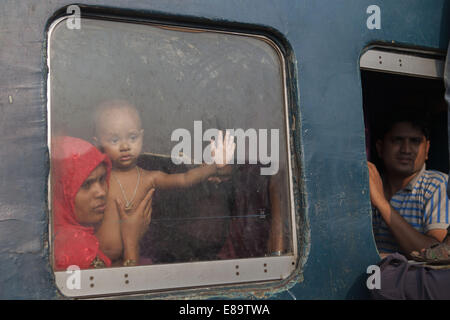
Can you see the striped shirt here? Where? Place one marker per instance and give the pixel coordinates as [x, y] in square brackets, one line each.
[423, 203]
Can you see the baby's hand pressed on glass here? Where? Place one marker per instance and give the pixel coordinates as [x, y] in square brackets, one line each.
[223, 174]
[222, 150]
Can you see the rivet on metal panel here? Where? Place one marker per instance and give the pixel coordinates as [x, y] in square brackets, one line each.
[91, 278]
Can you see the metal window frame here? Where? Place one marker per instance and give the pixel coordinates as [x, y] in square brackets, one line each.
[140, 279]
[405, 62]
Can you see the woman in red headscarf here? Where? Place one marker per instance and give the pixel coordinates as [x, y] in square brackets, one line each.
[80, 175]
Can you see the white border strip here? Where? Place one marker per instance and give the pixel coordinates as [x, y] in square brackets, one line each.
[402, 63]
[139, 279]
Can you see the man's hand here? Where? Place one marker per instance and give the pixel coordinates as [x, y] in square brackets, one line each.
[377, 192]
[408, 238]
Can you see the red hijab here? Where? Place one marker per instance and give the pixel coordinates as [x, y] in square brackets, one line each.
[73, 160]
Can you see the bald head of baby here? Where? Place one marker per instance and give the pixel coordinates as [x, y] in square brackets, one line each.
[118, 131]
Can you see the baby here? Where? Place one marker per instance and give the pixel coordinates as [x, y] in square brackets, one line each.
[119, 134]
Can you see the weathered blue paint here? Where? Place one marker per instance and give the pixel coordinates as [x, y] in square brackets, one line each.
[326, 36]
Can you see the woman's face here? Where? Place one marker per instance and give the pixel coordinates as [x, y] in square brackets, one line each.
[90, 201]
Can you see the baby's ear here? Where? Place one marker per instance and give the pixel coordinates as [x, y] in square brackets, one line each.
[97, 143]
[142, 132]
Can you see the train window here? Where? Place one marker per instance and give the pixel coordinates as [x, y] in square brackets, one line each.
[183, 85]
[396, 80]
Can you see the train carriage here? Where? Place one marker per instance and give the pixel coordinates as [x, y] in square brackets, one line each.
[304, 81]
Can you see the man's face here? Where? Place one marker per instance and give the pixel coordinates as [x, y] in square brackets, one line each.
[90, 201]
[403, 150]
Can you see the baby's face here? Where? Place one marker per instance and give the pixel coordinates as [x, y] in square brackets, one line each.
[120, 135]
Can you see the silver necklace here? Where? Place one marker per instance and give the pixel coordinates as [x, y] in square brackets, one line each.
[128, 204]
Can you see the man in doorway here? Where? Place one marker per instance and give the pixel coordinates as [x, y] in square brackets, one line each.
[411, 208]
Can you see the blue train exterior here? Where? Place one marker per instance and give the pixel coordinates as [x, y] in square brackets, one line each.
[324, 40]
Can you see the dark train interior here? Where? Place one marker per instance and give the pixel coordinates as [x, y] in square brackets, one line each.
[386, 92]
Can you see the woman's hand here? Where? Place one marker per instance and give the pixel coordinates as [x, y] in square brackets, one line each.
[133, 225]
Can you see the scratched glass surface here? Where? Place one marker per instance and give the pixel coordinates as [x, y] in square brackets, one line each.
[194, 80]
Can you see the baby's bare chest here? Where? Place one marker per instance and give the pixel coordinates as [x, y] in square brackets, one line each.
[129, 193]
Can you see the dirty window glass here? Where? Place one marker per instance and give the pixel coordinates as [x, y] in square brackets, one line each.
[185, 85]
